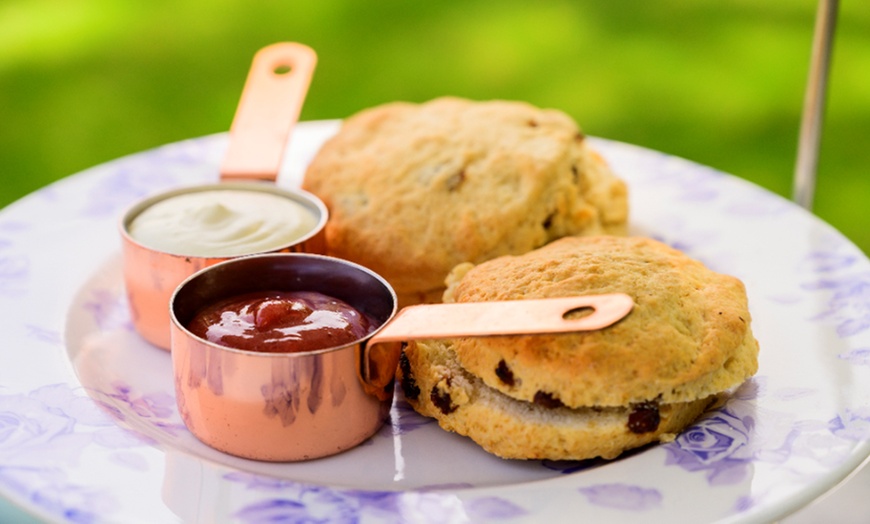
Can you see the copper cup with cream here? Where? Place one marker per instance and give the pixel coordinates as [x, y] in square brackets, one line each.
[251, 399]
[169, 236]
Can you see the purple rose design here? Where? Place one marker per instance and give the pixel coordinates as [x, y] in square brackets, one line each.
[826, 262]
[853, 424]
[849, 306]
[34, 431]
[623, 496]
[494, 508]
[298, 502]
[48, 336]
[109, 310]
[157, 408]
[41, 434]
[858, 356]
[14, 273]
[756, 204]
[318, 506]
[718, 444]
[689, 182]
[308, 503]
[142, 175]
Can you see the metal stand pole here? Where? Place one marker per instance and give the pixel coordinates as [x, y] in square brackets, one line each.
[814, 104]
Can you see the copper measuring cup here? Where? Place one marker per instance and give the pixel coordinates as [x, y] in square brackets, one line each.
[299, 406]
[269, 108]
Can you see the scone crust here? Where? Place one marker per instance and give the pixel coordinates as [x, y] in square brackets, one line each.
[688, 336]
[415, 189]
[438, 387]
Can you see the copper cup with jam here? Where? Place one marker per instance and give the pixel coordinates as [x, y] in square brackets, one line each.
[288, 395]
[170, 236]
[288, 357]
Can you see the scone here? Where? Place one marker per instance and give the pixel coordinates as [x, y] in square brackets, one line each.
[686, 343]
[415, 189]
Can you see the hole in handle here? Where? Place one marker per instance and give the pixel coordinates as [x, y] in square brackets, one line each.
[282, 69]
[578, 312]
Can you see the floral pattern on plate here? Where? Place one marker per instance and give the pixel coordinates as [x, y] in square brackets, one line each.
[89, 430]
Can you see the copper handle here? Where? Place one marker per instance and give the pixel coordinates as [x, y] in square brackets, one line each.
[509, 317]
[469, 319]
[268, 110]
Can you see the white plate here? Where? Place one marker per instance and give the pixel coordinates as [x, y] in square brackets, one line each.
[89, 430]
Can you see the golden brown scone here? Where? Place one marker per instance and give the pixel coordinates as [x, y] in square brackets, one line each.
[687, 337]
[439, 388]
[415, 189]
[579, 395]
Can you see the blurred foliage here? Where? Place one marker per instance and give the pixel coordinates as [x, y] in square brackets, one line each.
[719, 83]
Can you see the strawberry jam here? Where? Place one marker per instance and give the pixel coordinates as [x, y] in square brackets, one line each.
[281, 322]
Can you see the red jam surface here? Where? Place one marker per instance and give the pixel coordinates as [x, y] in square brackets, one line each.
[281, 322]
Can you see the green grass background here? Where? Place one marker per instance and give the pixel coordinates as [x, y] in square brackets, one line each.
[720, 83]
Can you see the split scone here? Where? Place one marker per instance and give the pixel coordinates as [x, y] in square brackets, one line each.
[415, 189]
[580, 395]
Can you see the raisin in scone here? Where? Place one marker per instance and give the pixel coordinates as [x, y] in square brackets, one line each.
[686, 343]
[415, 189]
